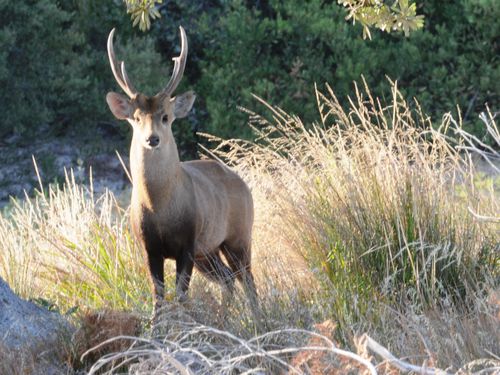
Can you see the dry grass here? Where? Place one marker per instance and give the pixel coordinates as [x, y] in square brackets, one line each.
[72, 249]
[186, 347]
[97, 327]
[371, 218]
[398, 228]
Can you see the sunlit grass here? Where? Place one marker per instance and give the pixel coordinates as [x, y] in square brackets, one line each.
[372, 218]
[385, 208]
[377, 199]
[74, 250]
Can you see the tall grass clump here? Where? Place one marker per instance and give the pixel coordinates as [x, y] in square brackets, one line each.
[68, 248]
[383, 205]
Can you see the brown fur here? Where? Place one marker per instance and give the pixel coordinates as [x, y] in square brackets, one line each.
[192, 211]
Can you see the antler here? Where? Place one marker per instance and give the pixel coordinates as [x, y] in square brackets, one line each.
[180, 64]
[119, 69]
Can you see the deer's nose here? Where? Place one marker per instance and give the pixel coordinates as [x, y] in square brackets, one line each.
[153, 140]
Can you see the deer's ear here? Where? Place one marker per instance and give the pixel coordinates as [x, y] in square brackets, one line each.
[183, 104]
[119, 105]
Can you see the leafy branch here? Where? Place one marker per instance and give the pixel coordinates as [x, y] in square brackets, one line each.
[142, 12]
[400, 16]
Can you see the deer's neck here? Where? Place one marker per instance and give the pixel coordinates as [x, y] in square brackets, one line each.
[156, 174]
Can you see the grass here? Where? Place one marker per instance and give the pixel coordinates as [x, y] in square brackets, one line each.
[371, 218]
[72, 249]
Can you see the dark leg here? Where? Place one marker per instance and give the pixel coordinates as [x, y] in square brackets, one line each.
[156, 272]
[184, 269]
[238, 258]
[214, 268]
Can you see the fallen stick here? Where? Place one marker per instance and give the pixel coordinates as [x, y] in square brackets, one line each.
[375, 347]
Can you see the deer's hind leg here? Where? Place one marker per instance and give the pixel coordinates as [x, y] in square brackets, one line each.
[214, 269]
[239, 256]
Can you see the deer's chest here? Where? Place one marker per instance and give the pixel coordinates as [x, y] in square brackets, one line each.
[163, 233]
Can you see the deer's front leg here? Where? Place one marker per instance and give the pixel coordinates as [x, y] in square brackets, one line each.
[157, 275]
[184, 269]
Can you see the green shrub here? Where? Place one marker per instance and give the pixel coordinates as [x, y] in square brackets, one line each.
[53, 63]
[41, 69]
[278, 50]
[54, 70]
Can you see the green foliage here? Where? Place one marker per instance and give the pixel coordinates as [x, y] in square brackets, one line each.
[274, 49]
[279, 50]
[42, 73]
[400, 16]
[142, 12]
[54, 70]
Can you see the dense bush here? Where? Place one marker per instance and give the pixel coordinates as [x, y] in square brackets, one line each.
[53, 63]
[54, 69]
[277, 50]
[41, 72]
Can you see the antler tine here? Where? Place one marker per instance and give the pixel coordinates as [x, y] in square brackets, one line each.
[120, 74]
[131, 88]
[180, 64]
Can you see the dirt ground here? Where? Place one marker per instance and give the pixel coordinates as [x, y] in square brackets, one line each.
[55, 155]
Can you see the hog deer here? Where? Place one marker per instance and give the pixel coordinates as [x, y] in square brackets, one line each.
[191, 211]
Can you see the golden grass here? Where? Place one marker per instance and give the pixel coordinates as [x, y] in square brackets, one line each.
[72, 249]
[372, 218]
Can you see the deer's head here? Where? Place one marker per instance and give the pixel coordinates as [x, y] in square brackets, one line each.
[150, 117]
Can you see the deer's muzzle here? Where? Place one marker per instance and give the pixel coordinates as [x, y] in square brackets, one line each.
[153, 141]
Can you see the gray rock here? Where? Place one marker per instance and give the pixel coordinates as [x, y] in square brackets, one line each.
[26, 326]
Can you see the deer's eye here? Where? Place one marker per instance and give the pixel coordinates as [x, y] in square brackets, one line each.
[164, 119]
[137, 118]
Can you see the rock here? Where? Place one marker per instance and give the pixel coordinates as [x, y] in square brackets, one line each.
[25, 326]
